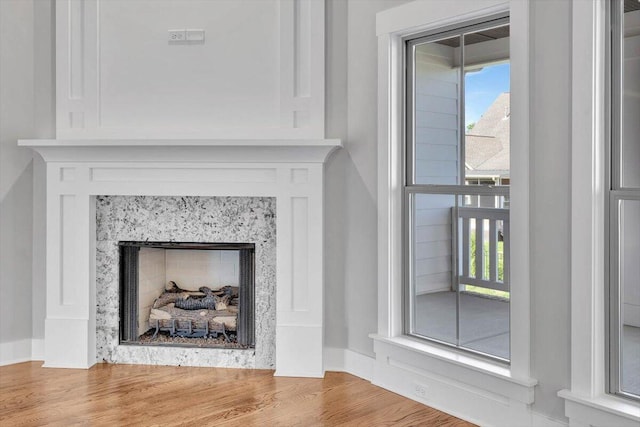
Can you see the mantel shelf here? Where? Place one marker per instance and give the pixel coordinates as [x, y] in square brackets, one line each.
[184, 150]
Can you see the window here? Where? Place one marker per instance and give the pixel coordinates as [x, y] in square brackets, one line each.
[624, 201]
[456, 193]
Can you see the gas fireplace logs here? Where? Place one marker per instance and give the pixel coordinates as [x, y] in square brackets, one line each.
[205, 313]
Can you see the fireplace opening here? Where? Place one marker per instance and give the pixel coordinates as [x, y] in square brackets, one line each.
[187, 294]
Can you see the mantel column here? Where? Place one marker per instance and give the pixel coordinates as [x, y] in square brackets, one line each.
[70, 320]
[299, 318]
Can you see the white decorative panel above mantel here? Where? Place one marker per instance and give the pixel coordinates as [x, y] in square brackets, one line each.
[259, 73]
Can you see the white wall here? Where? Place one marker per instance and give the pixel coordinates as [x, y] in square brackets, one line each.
[45, 127]
[16, 178]
[257, 72]
[550, 192]
[335, 174]
[149, 82]
[351, 296]
[25, 112]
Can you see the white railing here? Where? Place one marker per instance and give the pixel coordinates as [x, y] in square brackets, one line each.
[480, 263]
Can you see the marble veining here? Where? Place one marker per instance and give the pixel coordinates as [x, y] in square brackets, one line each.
[185, 219]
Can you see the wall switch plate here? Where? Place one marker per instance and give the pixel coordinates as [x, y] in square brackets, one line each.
[194, 35]
[177, 35]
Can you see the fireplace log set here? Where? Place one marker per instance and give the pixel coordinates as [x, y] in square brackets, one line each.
[227, 311]
[208, 313]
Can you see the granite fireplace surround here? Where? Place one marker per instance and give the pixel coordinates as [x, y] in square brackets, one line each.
[185, 219]
[103, 191]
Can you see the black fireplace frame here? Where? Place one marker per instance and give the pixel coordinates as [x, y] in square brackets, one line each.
[128, 287]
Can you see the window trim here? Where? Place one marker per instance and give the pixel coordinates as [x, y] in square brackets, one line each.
[392, 26]
[616, 193]
[411, 188]
[587, 401]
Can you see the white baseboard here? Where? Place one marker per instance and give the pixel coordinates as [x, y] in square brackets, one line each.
[539, 420]
[25, 350]
[351, 362]
[37, 349]
[15, 352]
[465, 387]
[458, 399]
[483, 409]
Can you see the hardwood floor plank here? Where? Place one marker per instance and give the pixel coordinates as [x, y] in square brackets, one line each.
[138, 395]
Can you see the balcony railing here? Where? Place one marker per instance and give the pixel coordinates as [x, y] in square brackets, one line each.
[483, 250]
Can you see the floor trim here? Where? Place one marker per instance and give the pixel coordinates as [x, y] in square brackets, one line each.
[17, 351]
[349, 361]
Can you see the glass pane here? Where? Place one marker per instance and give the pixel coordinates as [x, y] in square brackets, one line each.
[487, 108]
[436, 122]
[483, 277]
[463, 299]
[434, 297]
[629, 276]
[630, 150]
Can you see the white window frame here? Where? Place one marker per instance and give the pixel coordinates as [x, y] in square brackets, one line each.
[414, 189]
[617, 193]
[587, 402]
[401, 360]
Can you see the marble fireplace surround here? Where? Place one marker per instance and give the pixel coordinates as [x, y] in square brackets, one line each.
[185, 219]
[290, 171]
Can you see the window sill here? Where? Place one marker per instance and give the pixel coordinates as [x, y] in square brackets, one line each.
[601, 410]
[424, 358]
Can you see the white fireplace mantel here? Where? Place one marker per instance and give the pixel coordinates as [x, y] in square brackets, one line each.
[189, 150]
[289, 170]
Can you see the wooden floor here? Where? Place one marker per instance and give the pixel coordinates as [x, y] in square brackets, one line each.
[128, 395]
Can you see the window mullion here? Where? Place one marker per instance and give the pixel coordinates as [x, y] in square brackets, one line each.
[461, 174]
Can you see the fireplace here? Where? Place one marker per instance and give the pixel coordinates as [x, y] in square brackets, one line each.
[100, 193]
[156, 240]
[187, 294]
[178, 175]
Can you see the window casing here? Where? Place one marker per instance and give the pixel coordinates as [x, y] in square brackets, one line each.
[623, 204]
[447, 206]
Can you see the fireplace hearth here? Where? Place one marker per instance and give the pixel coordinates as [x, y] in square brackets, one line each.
[187, 294]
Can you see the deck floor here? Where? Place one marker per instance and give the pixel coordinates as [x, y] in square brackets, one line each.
[631, 360]
[484, 322]
[484, 327]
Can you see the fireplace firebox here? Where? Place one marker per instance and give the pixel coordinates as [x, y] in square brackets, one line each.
[187, 294]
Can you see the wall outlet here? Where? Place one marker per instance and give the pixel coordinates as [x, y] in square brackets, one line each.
[177, 35]
[195, 35]
[420, 390]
